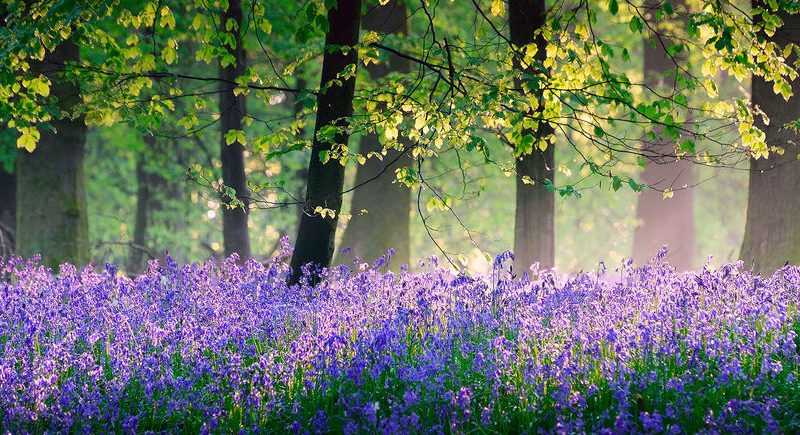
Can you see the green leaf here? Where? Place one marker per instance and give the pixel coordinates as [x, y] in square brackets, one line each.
[613, 7]
[636, 25]
[233, 135]
[327, 133]
[688, 146]
[167, 19]
[616, 183]
[525, 145]
[169, 54]
[599, 132]
[674, 49]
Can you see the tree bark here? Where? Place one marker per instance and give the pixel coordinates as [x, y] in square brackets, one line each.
[315, 238]
[772, 229]
[8, 192]
[301, 174]
[8, 211]
[534, 220]
[135, 254]
[149, 184]
[386, 222]
[236, 238]
[51, 195]
[662, 221]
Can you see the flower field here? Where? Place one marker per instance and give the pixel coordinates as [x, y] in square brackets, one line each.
[225, 348]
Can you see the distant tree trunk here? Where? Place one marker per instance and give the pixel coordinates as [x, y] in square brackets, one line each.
[136, 254]
[148, 186]
[51, 196]
[534, 220]
[386, 223]
[232, 110]
[664, 221]
[8, 192]
[315, 238]
[8, 211]
[772, 228]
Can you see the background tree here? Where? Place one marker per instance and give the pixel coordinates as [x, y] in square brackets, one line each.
[458, 105]
[317, 231]
[232, 110]
[772, 230]
[664, 218]
[149, 183]
[534, 227]
[384, 222]
[8, 209]
[51, 197]
[8, 182]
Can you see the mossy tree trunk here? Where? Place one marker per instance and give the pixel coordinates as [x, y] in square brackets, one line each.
[51, 196]
[316, 233]
[386, 222]
[236, 237]
[534, 219]
[662, 221]
[772, 228]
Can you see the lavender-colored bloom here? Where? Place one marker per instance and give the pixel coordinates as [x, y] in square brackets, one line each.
[220, 347]
[652, 423]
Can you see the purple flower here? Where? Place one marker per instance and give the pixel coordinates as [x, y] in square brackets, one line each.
[228, 345]
[651, 422]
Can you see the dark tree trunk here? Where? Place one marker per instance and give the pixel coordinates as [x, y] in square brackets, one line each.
[534, 220]
[8, 211]
[8, 193]
[772, 228]
[662, 221]
[302, 173]
[386, 223]
[51, 196]
[232, 110]
[315, 238]
[136, 257]
[149, 184]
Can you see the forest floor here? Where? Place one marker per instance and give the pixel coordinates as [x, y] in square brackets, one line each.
[224, 347]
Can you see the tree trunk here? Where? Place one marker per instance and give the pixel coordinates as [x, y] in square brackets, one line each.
[386, 223]
[772, 229]
[232, 110]
[302, 173]
[51, 196]
[136, 254]
[662, 221]
[8, 212]
[315, 238]
[149, 184]
[534, 220]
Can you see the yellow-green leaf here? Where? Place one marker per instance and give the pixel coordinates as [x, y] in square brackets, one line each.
[498, 8]
[28, 139]
[39, 85]
[232, 136]
[167, 19]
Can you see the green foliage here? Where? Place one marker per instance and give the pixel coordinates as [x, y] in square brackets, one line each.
[152, 66]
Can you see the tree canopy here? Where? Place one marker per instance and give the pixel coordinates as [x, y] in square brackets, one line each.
[469, 89]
